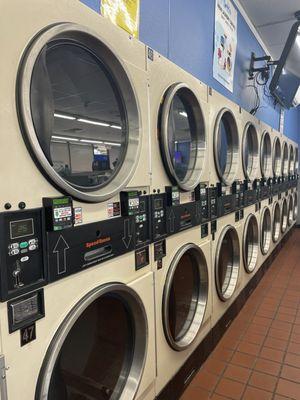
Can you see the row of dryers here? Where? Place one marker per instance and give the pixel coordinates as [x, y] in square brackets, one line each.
[126, 184]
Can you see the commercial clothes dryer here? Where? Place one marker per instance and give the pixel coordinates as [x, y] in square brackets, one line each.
[224, 152]
[250, 243]
[265, 234]
[276, 157]
[250, 146]
[95, 338]
[285, 158]
[178, 123]
[227, 263]
[266, 152]
[284, 215]
[276, 223]
[76, 97]
[183, 297]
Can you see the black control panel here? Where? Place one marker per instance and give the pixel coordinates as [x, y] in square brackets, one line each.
[204, 203]
[250, 193]
[264, 189]
[22, 267]
[213, 202]
[226, 199]
[58, 213]
[238, 188]
[158, 216]
[275, 187]
[142, 222]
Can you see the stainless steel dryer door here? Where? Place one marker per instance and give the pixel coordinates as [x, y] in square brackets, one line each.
[99, 351]
[250, 243]
[250, 151]
[78, 112]
[185, 296]
[266, 155]
[182, 136]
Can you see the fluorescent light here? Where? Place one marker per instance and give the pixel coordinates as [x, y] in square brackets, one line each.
[113, 144]
[91, 141]
[183, 114]
[89, 121]
[63, 116]
[116, 126]
[70, 139]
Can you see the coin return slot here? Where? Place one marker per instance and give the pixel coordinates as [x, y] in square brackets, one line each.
[100, 252]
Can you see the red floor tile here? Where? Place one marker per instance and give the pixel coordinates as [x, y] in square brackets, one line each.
[258, 358]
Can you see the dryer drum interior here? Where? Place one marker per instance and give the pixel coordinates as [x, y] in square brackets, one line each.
[292, 161]
[250, 152]
[265, 236]
[99, 350]
[285, 159]
[250, 243]
[284, 216]
[182, 137]
[185, 297]
[78, 112]
[266, 155]
[276, 223]
[277, 157]
[290, 210]
[226, 146]
[295, 213]
[227, 263]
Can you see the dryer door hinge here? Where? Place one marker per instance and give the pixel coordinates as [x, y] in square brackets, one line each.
[3, 386]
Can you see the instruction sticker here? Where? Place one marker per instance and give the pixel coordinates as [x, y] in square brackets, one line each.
[77, 215]
[113, 209]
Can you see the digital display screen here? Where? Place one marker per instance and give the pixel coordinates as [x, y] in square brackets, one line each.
[21, 228]
[158, 203]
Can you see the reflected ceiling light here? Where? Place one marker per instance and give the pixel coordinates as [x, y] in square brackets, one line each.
[64, 116]
[89, 121]
[113, 144]
[183, 114]
[116, 126]
[70, 139]
[91, 141]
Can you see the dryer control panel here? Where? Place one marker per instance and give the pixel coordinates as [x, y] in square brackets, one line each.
[22, 252]
[226, 199]
[264, 189]
[250, 192]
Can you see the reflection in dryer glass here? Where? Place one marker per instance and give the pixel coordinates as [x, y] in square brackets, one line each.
[96, 357]
[224, 143]
[78, 114]
[184, 296]
[225, 264]
[181, 136]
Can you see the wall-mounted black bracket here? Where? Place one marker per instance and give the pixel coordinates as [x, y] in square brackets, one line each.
[265, 69]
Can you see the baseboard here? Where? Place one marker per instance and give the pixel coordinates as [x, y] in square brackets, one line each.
[174, 389]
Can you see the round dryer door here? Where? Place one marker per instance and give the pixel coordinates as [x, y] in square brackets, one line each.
[276, 222]
[182, 136]
[265, 231]
[185, 296]
[284, 216]
[99, 350]
[295, 206]
[266, 155]
[250, 243]
[277, 157]
[250, 152]
[291, 161]
[227, 263]
[79, 112]
[285, 159]
[290, 210]
[226, 146]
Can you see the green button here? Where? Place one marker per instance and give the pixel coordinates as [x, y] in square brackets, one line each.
[23, 245]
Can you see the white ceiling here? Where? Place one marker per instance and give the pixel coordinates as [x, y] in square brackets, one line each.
[273, 20]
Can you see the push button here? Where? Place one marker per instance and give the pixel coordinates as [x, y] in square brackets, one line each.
[32, 241]
[13, 246]
[24, 259]
[23, 245]
[14, 252]
[32, 247]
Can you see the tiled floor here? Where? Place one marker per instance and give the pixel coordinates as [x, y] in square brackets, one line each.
[259, 356]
